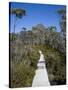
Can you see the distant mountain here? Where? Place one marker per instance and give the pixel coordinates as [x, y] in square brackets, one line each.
[38, 28]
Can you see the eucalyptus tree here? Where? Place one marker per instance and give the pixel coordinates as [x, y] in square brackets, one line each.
[62, 14]
[24, 34]
[50, 35]
[19, 13]
[24, 30]
[52, 28]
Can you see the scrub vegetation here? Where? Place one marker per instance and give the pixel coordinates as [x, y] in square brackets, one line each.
[24, 55]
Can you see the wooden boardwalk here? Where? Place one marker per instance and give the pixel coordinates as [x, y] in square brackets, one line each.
[41, 76]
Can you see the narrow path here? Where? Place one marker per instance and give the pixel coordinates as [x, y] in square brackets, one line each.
[41, 76]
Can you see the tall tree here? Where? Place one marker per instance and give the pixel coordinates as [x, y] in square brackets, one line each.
[62, 14]
[19, 13]
[24, 35]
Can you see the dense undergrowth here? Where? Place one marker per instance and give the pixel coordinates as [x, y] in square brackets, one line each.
[55, 64]
[23, 70]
